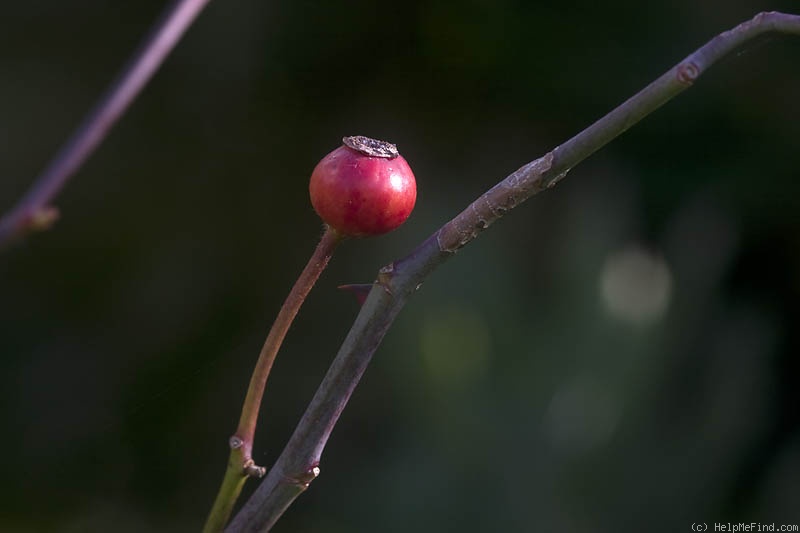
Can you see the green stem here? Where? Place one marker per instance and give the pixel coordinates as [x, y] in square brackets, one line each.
[240, 462]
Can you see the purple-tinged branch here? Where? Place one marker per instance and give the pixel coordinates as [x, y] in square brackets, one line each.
[298, 464]
[33, 212]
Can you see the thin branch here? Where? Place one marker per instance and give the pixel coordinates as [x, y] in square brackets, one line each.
[240, 462]
[298, 464]
[33, 211]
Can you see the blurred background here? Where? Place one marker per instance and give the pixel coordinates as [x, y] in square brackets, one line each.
[619, 353]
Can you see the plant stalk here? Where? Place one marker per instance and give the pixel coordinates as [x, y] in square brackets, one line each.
[240, 462]
[33, 211]
[298, 464]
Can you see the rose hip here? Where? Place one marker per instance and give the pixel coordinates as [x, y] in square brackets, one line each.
[362, 188]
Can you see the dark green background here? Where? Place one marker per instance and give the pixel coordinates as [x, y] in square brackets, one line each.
[506, 396]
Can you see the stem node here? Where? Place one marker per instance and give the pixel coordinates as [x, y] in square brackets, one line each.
[385, 277]
[304, 480]
[251, 469]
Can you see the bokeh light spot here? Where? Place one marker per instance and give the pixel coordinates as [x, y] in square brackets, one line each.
[635, 285]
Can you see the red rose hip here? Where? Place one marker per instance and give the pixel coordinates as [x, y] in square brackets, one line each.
[364, 187]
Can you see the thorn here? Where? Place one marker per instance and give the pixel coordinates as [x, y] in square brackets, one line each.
[359, 290]
[688, 72]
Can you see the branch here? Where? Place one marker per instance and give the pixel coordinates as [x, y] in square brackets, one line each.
[298, 464]
[240, 462]
[33, 212]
